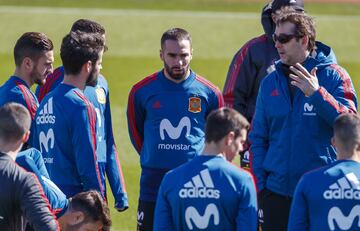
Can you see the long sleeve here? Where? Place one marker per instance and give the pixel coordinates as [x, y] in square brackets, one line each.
[163, 218]
[113, 167]
[341, 99]
[240, 81]
[35, 206]
[84, 145]
[259, 142]
[247, 211]
[136, 119]
[299, 217]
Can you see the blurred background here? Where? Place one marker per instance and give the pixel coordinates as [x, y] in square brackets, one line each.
[133, 30]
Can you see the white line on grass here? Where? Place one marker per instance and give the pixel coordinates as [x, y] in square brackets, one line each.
[131, 12]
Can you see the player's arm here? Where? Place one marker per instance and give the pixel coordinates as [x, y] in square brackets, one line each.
[330, 103]
[259, 143]
[113, 167]
[299, 216]
[136, 120]
[84, 146]
[240, 81]
[247, 212]
[163, 220]
[35, 206]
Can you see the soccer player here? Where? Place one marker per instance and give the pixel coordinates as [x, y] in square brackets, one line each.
[22, 200]
[166, 117]
[66, 120]
[329, 198]
[33, 54]
[295, 111]
[251, 63]
[209, 193]
[98, 95]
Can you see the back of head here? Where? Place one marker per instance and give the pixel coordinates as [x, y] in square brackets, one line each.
[304, 24]
[78, 47]
[88, 26]
[32, 45]
[176, 34]
[92, 206]
[347, 132]
[15, 121]
[222, 121]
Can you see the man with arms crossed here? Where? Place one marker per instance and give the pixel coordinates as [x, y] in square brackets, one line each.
[33, 55]
[22, 200]
[329, 198]
[295, 111]
[209, 193]
[98, 94]
[66, 120]
[166, 117]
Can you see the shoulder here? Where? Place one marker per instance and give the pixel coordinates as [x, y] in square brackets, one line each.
[145, 82]
[207, 84]
[255, 43]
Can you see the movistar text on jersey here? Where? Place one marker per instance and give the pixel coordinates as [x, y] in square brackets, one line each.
[182, 147]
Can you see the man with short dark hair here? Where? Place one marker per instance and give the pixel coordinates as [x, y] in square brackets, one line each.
[166, 117]
[99, 96]
[66, 120]
[33, 55]
[22, 200]
[295, 110]
[209, 193]
[328, 198]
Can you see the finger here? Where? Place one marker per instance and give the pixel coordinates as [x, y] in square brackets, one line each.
[296, 84]
[296, 78]
[298, 72]
[313, 71]
[302, 69]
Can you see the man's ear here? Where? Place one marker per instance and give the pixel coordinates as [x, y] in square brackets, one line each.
[25, 137]
[27, 63]
[333, 141]
[229, 138]
[305, 41]
[161, 55]
[87, 67]
[76, 217]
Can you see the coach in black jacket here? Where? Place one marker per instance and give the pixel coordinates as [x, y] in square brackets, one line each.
[21, 197]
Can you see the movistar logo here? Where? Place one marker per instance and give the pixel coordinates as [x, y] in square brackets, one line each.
[347, 187]
[192, 216]
[344, 222]
[47, 139]
[172, 131]
[46, 114]
[309, 110]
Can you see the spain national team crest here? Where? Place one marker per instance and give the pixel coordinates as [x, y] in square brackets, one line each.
[100, 93]
[194, 104]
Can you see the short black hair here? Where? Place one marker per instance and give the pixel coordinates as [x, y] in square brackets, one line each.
[176, 34]
[79, 47]
[222, 121]
[15, 121]
[88, 26]
[32, 45]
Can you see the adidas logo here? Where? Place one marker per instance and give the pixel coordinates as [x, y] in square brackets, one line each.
[347, 187]
[46, 114]
[200, 186]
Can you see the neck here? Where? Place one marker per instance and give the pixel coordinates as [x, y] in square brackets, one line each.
[11, 149]
[20, 74]
[75, 80]
[177, 80]
[212, 149]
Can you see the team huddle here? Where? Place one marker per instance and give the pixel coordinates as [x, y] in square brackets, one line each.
[300, 157]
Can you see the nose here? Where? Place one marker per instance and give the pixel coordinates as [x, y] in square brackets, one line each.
[277, 44]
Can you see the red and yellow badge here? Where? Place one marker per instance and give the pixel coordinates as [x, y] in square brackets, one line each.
[194, 104]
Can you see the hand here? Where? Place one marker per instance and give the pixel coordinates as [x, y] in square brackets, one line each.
[308, 83]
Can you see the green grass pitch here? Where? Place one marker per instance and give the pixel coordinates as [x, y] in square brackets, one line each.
[134, 28]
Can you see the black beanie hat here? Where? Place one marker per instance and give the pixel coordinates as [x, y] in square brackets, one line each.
[277, 4]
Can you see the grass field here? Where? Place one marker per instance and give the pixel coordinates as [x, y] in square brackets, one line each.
[134, 28]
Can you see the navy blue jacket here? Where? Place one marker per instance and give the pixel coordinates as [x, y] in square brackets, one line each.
[289, 139]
